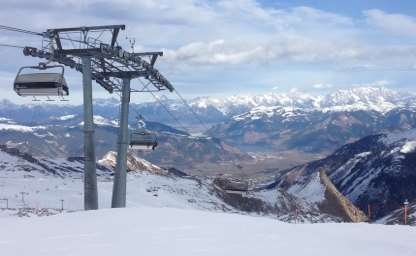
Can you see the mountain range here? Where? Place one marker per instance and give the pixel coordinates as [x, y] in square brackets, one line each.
[63, 137]
[272, 123]
[213, 110]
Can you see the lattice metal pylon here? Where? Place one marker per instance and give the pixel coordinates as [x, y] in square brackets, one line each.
[112, 68]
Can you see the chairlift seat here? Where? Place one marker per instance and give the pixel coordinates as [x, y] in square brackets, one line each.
[143, 139]
[40, 84]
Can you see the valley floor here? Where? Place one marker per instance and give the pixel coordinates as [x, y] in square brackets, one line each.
[167, 231]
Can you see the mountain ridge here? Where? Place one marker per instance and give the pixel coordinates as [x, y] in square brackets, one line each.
[215, 110]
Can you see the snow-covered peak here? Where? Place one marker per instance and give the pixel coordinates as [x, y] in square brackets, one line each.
[378, 99]
[260, 112]
[374, 98]
[245, 102]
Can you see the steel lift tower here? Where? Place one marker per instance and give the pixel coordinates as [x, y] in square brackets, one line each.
[82, 49]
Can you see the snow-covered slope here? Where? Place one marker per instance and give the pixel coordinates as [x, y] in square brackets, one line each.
[39, 183]
[166, 231]
[45, 182]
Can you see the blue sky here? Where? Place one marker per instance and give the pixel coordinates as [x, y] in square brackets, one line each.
[220, 48]
[352, 8]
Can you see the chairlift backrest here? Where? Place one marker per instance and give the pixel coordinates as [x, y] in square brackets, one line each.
[143, 139]
[41, 83]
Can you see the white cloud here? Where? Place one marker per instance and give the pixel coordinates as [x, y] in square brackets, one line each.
[222, 32]
[286, 49]
[215, 52]
[392, 23]
[207, 42]
[322, 86]
[379, 83]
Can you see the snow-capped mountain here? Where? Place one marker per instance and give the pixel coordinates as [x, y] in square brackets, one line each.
[366, 98]
[63, 137]
[359, 98]
[235, 105]
[276, 121]
[376, 171]
[214, 110]
[309, 130]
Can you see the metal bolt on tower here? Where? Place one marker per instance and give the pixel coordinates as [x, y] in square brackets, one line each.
[84, 49]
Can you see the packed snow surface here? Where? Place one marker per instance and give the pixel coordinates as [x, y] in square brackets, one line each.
[167, 231]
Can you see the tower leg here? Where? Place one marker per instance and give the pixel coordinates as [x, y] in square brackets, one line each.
[119, 188]
[90, 177]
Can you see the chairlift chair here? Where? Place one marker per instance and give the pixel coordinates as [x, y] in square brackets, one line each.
[41, 84]
[141, 138]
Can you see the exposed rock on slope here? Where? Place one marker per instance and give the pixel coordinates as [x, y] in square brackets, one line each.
[313, 201]
[337, 204]
[314, 192]
[133, 163]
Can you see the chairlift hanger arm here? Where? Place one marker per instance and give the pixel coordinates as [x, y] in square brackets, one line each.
[110, 63]
[69, 62]
[54, 33]
[114, 36]
[153, 56]
[88, 28]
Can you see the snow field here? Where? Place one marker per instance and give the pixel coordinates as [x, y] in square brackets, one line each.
[168, 231]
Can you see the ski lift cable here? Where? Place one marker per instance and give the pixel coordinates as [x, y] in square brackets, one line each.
[169, 112]
[191, 110]
[12, 46]
[19, 30]
[180, 125]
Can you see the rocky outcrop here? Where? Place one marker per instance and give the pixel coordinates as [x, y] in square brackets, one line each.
[134, 164]
[231, 184]
[337, 204]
